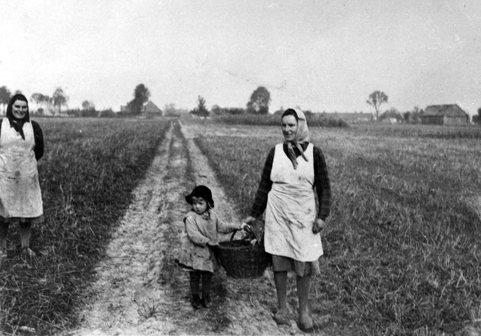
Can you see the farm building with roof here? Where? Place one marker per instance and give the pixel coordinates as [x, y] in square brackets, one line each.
[148, 107]
[445, 115]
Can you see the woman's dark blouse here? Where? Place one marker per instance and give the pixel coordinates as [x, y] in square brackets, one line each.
[321, 183]
[38, 135]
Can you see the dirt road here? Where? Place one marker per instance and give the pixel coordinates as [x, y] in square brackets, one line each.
[140, 291]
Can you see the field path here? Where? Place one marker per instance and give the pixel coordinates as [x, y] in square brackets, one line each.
[140, 291]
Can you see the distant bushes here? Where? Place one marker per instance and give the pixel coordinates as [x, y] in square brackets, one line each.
[315, 119]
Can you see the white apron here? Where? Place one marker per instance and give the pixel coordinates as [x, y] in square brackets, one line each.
[291, 209]
[20, 194]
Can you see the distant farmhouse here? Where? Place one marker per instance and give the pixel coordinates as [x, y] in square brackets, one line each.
[354, 118]
[149, 107]
[445, 115]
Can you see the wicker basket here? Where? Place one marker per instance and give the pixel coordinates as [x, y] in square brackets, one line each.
[241, 260]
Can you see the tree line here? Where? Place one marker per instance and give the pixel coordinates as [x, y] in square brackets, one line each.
[44, 102]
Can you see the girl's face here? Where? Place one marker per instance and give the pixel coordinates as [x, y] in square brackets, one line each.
[289, 127]
[19, 109]
[199, 205]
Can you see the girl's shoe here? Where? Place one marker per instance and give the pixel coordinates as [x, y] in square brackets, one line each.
[196, 302]
[282, 316]
[206, 301]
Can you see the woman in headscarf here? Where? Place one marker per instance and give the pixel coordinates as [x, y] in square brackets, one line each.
[294, 174]
[21, 146]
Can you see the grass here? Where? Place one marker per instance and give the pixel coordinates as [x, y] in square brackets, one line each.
[87, 174]
[402, 248]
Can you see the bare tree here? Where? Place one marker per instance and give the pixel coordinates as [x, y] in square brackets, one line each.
[4, 97]
[59, 99]
[376, 99]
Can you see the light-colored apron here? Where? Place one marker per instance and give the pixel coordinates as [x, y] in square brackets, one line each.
[291, 209]
[20, 194]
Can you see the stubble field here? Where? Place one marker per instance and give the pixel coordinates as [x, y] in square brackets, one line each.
[402, 248]
[87, 174]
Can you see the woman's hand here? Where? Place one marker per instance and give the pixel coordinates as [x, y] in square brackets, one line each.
[319, 224]
[245, 227]
[249, 219]
[213, 243]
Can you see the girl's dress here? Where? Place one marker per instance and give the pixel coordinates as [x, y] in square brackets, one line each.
[194, 253]
[20, 195]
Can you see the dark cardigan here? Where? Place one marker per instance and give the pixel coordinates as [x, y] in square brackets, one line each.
[38, 136]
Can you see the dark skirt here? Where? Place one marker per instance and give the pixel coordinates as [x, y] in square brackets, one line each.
[281, 264]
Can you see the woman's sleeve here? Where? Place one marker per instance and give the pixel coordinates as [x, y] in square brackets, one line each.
[322, 184]
[265, 185]
[194, 233]
[38, 135]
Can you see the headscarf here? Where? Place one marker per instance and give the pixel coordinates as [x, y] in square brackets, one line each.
[301, 136]
[17, 124]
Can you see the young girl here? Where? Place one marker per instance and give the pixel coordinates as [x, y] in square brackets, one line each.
[199, 236]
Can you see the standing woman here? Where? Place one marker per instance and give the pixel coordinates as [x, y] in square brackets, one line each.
[294, 174]
[21, 146]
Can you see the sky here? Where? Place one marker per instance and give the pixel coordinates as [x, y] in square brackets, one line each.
[319, 55]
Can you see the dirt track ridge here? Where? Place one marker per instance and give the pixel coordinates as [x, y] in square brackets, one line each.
[140, 291]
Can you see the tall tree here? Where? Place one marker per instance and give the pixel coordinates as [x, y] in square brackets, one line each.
[201, 109]
[59, 99]
[376, 99]
[4, 97]
[88, 105]
[259, 101]
[141, 96]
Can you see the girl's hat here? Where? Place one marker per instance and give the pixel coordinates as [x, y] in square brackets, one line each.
[201, 191]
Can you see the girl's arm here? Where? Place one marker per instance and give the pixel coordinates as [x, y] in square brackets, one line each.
[193, 232]
[223, 227]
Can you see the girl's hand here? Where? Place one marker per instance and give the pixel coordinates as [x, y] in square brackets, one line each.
[319, 224]
[213, 243]
[249, 219]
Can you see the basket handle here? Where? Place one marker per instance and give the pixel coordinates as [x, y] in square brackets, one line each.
[233, 234]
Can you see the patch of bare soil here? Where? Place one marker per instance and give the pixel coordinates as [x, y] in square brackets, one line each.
[139, 289]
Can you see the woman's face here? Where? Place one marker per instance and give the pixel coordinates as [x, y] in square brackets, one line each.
[19, 109]
[289, 127]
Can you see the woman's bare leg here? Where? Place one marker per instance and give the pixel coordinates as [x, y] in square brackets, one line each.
[303, 286]
[3, 236]
[25, 234]
[280, 279]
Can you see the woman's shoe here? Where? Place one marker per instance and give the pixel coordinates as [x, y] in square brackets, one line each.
[206, 301]
[305, 323]
[196, 303]
[282, 316]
